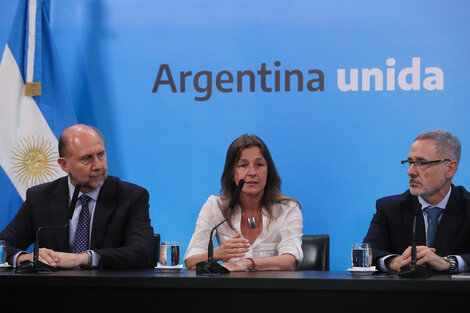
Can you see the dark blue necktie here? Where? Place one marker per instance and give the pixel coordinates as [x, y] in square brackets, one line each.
[433, 215]
[83, 228]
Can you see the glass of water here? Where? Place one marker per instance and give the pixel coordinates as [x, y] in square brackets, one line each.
[3, 252]
[170, 253]
[361, 255]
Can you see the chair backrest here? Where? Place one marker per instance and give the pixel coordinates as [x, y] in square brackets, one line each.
[316, 250]
[156, 248]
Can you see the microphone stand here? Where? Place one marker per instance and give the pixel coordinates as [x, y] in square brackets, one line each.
[413, 270]
[37, 266]
[211, 267]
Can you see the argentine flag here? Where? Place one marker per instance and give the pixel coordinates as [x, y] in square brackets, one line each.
[34, 107]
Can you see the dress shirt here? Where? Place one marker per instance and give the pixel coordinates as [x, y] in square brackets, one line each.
[74, 221]
[424, 204]
[441, 205]
[283, 234]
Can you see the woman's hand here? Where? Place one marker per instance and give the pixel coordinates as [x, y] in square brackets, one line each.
[283, 262]
[238, 266]
[235, 247]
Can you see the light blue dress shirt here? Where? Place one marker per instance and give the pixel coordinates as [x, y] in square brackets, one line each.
[74, 221]
[424, 204]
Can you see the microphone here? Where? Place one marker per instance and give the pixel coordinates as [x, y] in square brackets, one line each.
[37, 266]
[212, 267]
[73, 203]
[413, 270]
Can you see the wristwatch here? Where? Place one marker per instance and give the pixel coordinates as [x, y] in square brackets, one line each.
[90, 260]
[453, 263]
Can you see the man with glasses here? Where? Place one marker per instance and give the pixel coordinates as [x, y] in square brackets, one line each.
[440, 209]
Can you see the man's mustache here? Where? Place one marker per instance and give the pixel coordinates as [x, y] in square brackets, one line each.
[415, 180]
[97, 173]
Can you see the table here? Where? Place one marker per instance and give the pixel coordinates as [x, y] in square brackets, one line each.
[307, 291]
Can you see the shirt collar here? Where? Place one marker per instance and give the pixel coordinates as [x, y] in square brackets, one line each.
[441, 205]
[92, 194]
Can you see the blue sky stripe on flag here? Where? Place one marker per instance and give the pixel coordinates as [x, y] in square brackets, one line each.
[30, 125]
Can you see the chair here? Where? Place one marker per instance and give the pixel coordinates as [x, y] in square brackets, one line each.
[156, 248]
[316, 250]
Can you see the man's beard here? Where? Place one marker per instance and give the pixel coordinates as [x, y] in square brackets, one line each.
[425, 191]
[91, 183]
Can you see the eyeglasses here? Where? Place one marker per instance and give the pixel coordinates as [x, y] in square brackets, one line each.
[421, 164]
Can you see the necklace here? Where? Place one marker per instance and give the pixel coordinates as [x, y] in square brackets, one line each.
[252, 222]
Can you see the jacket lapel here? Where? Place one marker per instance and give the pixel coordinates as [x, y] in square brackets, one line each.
[412, 208]
[59, 207]
[449, 223]
[105, 206]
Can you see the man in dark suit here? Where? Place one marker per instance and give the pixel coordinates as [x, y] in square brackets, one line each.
[110, 227]
[442, 211]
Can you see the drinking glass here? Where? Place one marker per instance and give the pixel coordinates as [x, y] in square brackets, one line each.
[361, 255]
[170, 253]
[3, 252]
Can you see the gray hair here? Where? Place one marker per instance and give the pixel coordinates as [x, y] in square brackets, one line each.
[447, 144]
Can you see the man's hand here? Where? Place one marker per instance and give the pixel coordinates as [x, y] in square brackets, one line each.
[424, 255]
[71, 260]
[56, 259]
[46, 256]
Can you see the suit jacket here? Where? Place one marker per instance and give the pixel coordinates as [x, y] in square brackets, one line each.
[121, 232]
[390, 230]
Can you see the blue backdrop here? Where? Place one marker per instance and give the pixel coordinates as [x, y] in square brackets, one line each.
[336, 139]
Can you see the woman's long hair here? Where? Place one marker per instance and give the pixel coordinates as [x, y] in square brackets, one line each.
[272, 191]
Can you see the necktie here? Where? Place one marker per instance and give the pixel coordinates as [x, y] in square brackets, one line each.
[433, 215]
[83, 228]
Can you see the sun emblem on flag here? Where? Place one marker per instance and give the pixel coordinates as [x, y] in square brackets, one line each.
[34, 161]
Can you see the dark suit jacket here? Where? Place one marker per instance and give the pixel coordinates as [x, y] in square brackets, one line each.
[390, 230]
[121, 232]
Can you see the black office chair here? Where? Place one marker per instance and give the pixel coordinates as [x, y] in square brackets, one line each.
[156, 248]
[316, 250]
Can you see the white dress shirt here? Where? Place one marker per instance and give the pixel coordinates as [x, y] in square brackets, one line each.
[283, 234]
